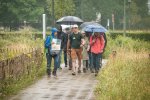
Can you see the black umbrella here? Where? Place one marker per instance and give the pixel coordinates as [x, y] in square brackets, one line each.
[69, 20]
[89, 23]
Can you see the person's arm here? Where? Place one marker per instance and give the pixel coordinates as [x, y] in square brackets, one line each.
[102, 43]
[105, 40]
[92, 41]
[68, 43]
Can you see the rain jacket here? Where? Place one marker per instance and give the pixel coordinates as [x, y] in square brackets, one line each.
[53, 30]
[98, 46]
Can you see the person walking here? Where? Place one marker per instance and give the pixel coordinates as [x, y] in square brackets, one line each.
[76, 43]
[51, 54]
[85, 57]
[64, 44]
[97, 46]
[59, 36]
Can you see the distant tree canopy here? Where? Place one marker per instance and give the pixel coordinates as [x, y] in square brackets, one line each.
[30, 11]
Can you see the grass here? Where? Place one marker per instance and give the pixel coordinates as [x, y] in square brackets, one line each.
[125, 77]
[15, 45]
[11, 86]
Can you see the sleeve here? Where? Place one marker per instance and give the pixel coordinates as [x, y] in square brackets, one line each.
[105, 40]
[90, 41]
[102, 42]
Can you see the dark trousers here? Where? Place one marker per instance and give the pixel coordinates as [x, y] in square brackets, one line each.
[96, 61]
[65, 57]
[90, 60]
[59, 58]
[49, 60]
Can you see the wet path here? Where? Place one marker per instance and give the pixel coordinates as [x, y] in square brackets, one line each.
[64, 87]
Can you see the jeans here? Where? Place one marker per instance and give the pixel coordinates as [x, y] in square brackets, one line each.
[96, 61]
[49, 60]
[59, 58]
[65, 57]
[100, 58]
[90, 60]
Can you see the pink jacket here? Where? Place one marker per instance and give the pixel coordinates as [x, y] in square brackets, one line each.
[97, 46]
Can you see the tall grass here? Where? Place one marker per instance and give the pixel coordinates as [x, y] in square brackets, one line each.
[125, 77]
[23, 42]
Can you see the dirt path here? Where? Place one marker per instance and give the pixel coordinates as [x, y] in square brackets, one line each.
[64, 87]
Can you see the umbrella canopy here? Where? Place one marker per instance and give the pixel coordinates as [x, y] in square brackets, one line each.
[89, 23]
[94, 28]
[69, 20]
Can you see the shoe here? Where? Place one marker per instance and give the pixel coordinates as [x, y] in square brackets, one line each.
[65, 65]
[96, 74]
[73, 73]
[48, 76]
[84, 70]
[60, 68]
[54, 73]
[70, 68]
[48, 72]
[92, 71]
[79, 71]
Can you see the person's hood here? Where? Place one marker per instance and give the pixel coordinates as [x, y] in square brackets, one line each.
[53, 30]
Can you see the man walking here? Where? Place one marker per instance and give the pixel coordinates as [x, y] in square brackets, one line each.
[76, 42]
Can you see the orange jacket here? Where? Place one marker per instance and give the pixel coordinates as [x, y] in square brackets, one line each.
[98, 45]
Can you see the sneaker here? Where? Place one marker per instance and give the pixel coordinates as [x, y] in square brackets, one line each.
[73, 73]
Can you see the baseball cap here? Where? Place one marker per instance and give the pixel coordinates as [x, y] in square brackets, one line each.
[75, 25]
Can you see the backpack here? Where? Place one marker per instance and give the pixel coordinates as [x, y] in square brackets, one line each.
[48, 46]
[47, 43]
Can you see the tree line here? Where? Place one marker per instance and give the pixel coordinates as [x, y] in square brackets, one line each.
[20, 12]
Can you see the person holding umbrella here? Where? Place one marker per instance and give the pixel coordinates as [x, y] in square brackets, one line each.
[97, 45]
[76, 42]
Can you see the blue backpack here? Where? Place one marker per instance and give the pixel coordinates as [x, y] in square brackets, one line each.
[48, 42]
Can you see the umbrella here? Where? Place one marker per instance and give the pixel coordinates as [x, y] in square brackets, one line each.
[69, 20]
[89, 23]
[94, 28]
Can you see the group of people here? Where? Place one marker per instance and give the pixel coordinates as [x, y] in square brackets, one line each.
[82, 50]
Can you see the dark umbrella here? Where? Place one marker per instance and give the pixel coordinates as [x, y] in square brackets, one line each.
[89, 23]
[69, 20]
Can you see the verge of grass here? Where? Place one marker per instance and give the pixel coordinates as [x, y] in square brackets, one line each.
[10, 86]
[125, 77]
